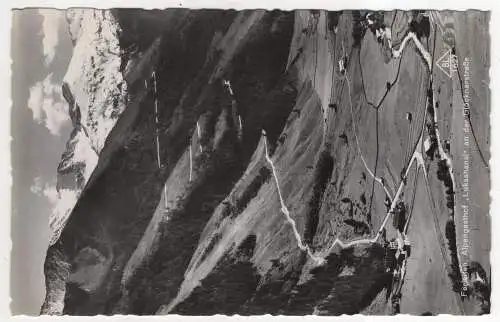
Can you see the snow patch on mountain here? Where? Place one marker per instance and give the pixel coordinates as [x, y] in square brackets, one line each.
[94, 76]
[97, 91]
[60, 213]
[79, 156]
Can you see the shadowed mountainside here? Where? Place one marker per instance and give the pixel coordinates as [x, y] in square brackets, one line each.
[257, 159]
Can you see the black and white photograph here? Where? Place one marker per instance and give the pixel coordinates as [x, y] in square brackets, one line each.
[250, 162]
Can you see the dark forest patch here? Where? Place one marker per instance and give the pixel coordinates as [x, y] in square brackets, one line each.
[454, 273]
[251, 191]
[227, 288]
[358, 28]
[360, 227]
[322, 176]
[336, 295]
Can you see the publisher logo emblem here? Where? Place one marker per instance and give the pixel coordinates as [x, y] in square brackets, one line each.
[448, 63]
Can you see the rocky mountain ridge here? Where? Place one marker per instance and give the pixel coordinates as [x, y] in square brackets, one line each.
[250, 162]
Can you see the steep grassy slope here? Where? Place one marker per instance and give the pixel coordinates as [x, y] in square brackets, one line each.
[254, 171]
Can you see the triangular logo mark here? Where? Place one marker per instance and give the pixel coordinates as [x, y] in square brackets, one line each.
[447, 63]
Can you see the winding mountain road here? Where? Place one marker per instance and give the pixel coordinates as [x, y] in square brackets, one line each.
[416, 156]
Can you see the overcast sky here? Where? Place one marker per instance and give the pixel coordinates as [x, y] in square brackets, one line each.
[41, 50]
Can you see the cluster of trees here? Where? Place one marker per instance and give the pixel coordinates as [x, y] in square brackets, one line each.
[430, 125]
[454, 273]
[360, 227]
[322, 176]
[420, 24]
[333, 19]
[358, 28]
[399, 218]
[480, 291]
[251, 191]
[335, 295]
[230, 285]
[377, 18]
[273, 293]
[235, 287]
[443, 174]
